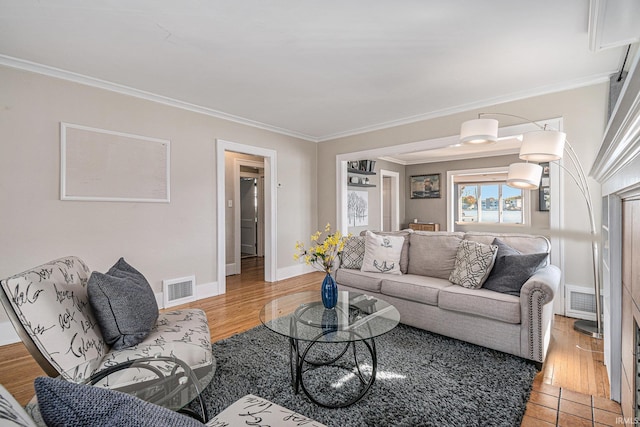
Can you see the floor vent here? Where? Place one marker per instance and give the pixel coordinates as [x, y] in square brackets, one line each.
[179, 291]
[580, 302]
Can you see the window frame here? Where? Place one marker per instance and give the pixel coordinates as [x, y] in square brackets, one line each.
[453, 207]
[480, 209]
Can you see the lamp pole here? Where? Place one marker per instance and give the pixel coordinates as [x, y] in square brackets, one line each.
[588, 327]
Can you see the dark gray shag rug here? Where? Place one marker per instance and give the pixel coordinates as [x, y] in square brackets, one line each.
[423, 379]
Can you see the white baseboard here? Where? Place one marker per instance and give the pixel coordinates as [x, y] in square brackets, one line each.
[232, 269]
[8, 334]
[293, 270]
[206, 290]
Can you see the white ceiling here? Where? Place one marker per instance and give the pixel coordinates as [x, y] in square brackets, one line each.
[316, 69]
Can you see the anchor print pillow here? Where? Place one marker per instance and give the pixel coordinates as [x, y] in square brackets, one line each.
[382, 253]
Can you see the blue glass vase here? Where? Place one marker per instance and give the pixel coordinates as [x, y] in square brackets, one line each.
[329, 291]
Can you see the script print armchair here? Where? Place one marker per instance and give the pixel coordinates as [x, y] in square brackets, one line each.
[49, 307]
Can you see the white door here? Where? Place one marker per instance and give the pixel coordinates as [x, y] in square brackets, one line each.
[248, 224]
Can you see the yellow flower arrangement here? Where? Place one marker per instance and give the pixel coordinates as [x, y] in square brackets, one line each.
[323, 254]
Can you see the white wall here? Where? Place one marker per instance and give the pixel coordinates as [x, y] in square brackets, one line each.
[162, 240]
[584, 116]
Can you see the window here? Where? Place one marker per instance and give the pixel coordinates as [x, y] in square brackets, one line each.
[491, 202]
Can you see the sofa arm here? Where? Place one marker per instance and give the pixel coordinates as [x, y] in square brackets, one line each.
[543, 285]
[536, 312]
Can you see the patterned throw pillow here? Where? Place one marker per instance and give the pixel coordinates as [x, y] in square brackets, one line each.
[353, 253]
[404, 256]
[474, 262]
[382, 253]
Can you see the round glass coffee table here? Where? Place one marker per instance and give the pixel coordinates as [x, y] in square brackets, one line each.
[171, 375]
[332, 352]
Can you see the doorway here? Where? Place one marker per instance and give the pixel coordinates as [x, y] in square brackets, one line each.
[248, 209]
[226, 200]
[251, 213]
[389, 200]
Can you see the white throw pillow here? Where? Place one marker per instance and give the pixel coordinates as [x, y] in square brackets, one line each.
[474, 262]
[382, 253]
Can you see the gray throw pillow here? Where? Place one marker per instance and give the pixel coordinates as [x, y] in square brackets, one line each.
[64, 403]
[512, 269]
[124, 305]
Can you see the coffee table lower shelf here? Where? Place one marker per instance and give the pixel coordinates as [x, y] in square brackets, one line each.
[300, 364]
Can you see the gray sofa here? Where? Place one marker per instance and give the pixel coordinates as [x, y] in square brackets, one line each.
[426, 299]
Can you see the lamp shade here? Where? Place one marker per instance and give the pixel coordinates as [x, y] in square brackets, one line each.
[524, 175]
[542, 145]
[479, 131]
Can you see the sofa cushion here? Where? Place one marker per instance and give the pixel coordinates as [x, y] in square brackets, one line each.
[404, 255]
[382, 253]
[52, 298]
[433, 254]
[512, 269]
[64, 403]
[412, 287]
[124, 304]
[353, 253]
[481, 302]
[474, 261]
[523, 243]
[176, 326]
[369, 282]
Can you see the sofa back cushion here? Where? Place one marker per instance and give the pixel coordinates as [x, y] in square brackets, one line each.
[523, 243]
[433, 253]
[52, 305]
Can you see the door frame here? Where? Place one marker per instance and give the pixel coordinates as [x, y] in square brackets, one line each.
[270, 211]
[237, 174]
[395, 199]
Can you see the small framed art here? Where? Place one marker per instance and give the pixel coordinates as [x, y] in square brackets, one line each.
[425, 186]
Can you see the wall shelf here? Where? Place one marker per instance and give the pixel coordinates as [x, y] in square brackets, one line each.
[359, 172]
[360, 185]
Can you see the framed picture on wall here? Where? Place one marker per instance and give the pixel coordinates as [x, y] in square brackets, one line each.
[544, 193]
[425, 186]
[358, 208]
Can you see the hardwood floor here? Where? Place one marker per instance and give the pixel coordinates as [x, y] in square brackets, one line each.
[572, 388]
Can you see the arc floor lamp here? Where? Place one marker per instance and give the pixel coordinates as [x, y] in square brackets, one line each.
[544, 145]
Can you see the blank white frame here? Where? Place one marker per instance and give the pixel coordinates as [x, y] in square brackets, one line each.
[104, 165]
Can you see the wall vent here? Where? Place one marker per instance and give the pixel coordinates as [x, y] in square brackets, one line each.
[580, 302]
[179, 291]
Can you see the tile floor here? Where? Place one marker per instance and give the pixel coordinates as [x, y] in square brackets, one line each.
[555, 406]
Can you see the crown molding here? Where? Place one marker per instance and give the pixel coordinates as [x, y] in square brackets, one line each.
[621, 141]
[46, 70]
[25, 65]
[545, 90]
